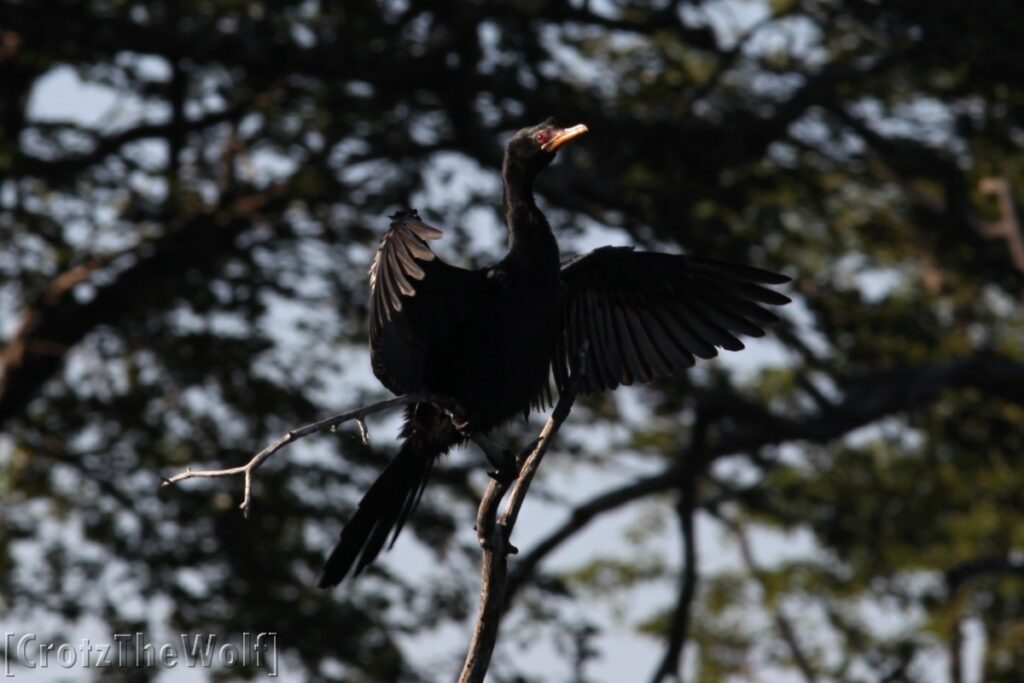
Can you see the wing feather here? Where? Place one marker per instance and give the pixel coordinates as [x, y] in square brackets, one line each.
[405, 270]
[681, 355]
[394, 269]
[753, 292]
[601, 354]
[700, 319]
[649, 359]
[575, 334]
[637, 371]
[686, 332]
[407, 261]
[661, 344]
[583, 324]
[645, 315]
[614, 358]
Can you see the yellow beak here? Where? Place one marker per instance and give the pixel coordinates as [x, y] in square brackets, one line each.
[564, 136]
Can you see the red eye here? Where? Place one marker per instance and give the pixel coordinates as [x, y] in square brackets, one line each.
[541, 138]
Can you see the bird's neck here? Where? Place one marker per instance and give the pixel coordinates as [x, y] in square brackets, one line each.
[531, 244]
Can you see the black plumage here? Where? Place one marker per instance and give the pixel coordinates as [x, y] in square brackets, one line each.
[490, 338]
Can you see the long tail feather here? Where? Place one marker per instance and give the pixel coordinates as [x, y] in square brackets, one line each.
[391, 499]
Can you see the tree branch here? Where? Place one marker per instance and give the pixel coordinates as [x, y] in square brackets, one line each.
[694, 464]
[56, 321]
[581, 516]
[727, 58]
[64, 169]
[782, 622]
[328, 424]
[869, 397]
[903, 160]
[494, 567]
[1008, 226]
[959, 575]
[955, 645]
[672, 661]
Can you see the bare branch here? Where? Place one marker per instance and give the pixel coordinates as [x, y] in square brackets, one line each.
[727, 59]
[494, 568]
[527, 564]
[695, 461]
[955, 645]
[903, 160]
[57, 320]
[672, 661]
[64, 169]
[1008, 226]
[782, 622]
[328, 424]
[894, 391]
[960, 574]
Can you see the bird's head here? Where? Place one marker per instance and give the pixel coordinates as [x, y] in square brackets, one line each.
[531, 149]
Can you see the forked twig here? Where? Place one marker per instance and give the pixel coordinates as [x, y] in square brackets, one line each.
[495, 532]
[330, 424]
[494, 529]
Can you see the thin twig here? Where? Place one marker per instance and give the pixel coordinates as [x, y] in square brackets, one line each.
[494, 567]
[782, 622]
[1008, 226]
[955, 644]
[327, 424]
[694, 466]
[907, 389]
[679, 632]
[728, 58]
[609, 501]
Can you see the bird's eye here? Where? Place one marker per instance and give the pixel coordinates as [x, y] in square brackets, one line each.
[541, 138]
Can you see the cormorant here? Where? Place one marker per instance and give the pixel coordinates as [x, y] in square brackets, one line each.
[490, 338]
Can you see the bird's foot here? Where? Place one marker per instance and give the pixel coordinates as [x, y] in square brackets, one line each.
[506, 465]
[506, 470]
[504, 462]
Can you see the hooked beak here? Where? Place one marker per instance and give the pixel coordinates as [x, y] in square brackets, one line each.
[565, 135]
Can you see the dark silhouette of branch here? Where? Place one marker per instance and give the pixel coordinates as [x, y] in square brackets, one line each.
[955, 645]
[672, 662]
[66, 168]
[1008, 226]
[496, 533]
[694, 462]
[57, 320]
[869, 397]
[667, 18]
[727, 58]
[903, 160]
[959, 575]
[526, 566]
[782, 622]
[328, 424]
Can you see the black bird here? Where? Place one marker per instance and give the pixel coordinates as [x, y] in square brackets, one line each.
[490, 338]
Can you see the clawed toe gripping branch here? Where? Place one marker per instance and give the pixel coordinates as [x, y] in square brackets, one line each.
[513, 475]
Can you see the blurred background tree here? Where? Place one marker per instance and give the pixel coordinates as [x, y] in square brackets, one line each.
[190, 192]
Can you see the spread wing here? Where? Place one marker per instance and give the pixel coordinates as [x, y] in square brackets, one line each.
[646, 315]
[413, 294]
